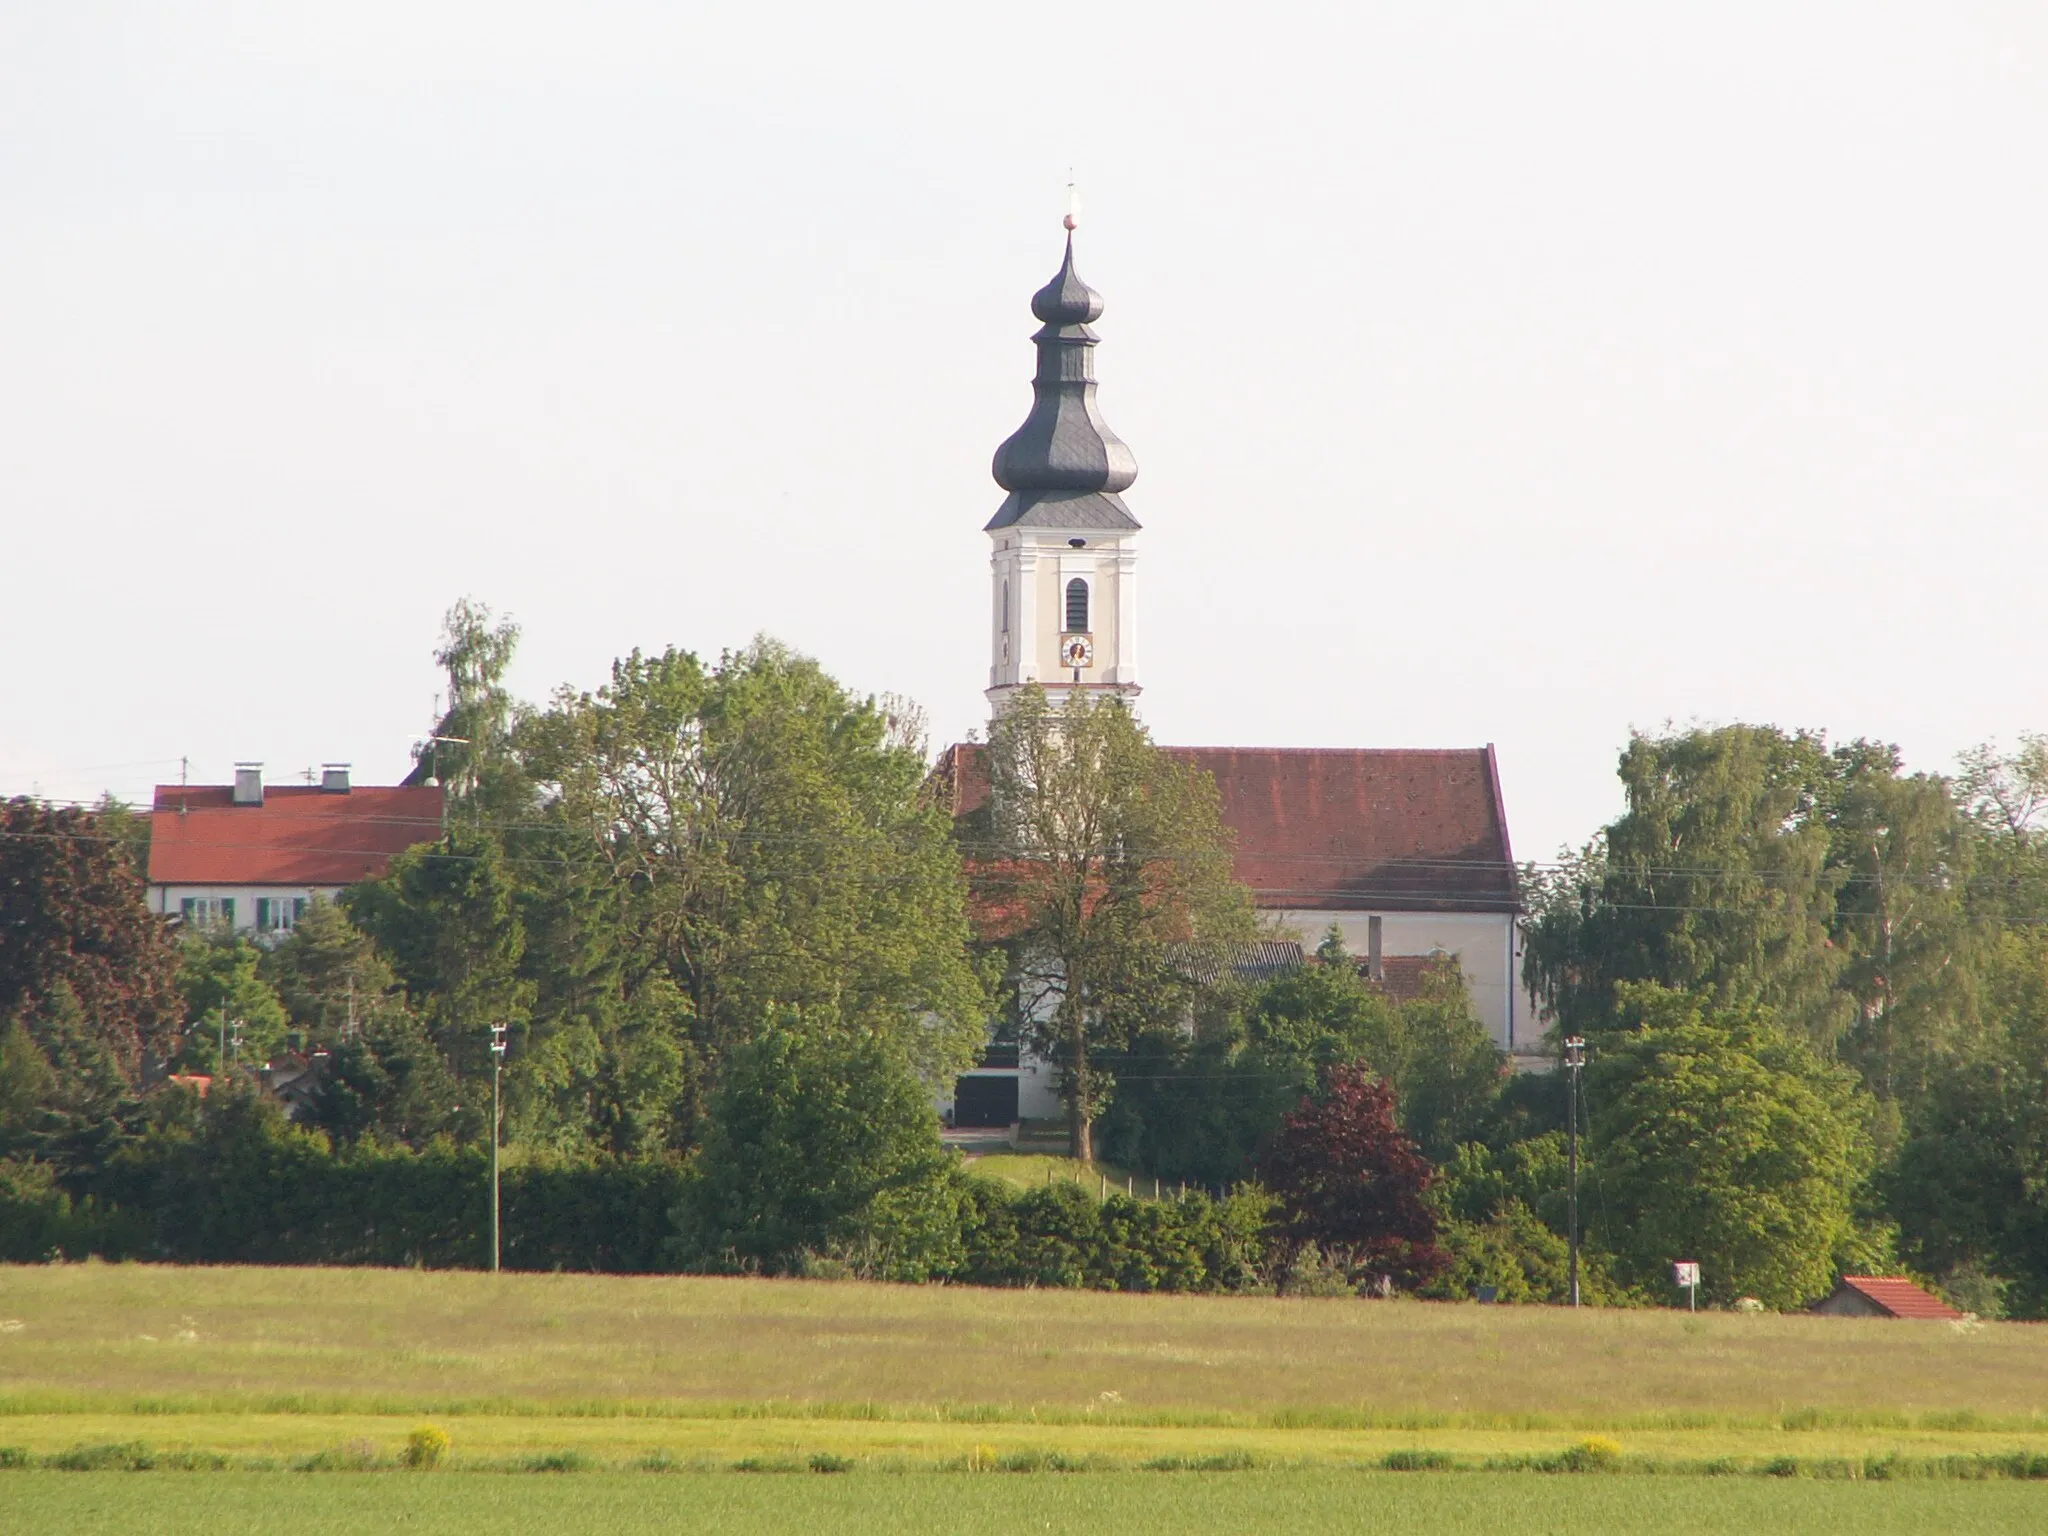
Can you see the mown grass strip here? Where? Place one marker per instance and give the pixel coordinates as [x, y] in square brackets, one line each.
[50, 1402]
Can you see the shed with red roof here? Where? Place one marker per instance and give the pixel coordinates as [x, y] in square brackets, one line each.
[1884, 1296]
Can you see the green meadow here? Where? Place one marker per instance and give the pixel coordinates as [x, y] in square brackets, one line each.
[223, 1399]
[230, 1504]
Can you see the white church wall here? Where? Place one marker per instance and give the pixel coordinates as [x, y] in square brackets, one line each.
[1486, 945]
[1035, 564]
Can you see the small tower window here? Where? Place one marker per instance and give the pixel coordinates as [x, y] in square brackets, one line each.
[1077, 606]
[1006, 605]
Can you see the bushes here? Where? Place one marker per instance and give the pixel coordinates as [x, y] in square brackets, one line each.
[1058, 1236]
[243, 1186]
[38, 1220]
[824, 1143]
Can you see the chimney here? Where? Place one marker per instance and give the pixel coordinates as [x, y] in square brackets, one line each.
[1373, 966]
[334, 778]
[248, 784]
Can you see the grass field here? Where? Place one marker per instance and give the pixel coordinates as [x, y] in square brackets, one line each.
[230, 1504]
[908, 1388]
[1029, 1170]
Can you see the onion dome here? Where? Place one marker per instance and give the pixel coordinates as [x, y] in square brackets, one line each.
[1063, 466]
[1066, 300]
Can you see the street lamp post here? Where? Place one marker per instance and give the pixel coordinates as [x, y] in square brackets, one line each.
[1574, 1063]
[497, 1071]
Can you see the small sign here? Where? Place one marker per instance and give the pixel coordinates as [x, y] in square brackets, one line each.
[1687, 1274]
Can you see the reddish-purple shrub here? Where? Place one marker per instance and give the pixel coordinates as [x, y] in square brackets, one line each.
[1348, 1178]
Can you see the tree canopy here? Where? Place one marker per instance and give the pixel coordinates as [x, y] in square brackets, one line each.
[1110, 860]
[73, 915]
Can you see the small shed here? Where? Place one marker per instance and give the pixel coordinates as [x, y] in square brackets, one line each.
[1884, 1296]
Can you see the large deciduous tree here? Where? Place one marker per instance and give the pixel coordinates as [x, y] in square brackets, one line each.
[1107, 864]
[73, 913]
[1765, 869]
[1717, 877]
[1970, 1187]
[763, 835]
[444, 914]
[1721, 1138]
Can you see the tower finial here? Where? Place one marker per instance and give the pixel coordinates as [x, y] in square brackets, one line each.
[1073, 219]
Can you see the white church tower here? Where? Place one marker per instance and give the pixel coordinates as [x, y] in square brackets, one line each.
[1064, 566]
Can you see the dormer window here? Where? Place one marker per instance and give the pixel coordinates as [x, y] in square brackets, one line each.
[1077, 606]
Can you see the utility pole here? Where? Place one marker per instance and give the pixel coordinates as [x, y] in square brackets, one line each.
[1574, 1063]
[497, 1071]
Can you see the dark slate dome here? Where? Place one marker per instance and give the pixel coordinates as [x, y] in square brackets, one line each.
[1066, 300]
[1065, 453]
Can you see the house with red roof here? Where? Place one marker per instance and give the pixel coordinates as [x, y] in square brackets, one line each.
[1405, 852]
[1884, 1296]
[249, 856]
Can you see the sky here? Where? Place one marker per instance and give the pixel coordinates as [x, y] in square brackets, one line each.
[1515, 373]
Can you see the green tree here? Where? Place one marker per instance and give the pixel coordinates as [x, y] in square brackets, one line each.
[225, 995]
[73, 913]
[621, 1079]
[329, 976]
[1970, 1185]
[1110, 861]
[384, 1081]
[444, 916]
[1197, 1104]
[1915, 947]
[63, 1096]
[1827, 885]
[824, 1143]
[1716, 879]
[1719, 1137]
[768, 847]
[471, 749]
[26, 1082]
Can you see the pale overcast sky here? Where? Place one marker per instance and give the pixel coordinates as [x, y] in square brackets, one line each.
[1520, 373]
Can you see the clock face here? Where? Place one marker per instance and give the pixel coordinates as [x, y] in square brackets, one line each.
[1076, 650]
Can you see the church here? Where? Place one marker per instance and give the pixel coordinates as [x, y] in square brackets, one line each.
[1404, 851]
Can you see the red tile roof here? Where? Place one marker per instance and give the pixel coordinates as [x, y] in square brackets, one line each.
[1900, 1297]
[1341, 828]
[299, 835]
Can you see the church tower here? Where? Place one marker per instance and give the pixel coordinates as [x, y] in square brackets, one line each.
[1063, 563]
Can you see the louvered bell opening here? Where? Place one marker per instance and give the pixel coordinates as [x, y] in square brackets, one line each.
[1077, 606]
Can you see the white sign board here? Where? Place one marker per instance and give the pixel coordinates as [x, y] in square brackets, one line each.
[1686, 1273]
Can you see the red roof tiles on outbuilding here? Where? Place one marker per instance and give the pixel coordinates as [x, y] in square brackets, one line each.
[1900, 1297]
[297, 836]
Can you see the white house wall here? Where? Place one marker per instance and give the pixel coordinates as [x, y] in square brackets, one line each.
[166, 900]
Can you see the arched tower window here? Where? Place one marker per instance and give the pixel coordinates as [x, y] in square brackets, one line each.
[1006, 605]
[1077, 606]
